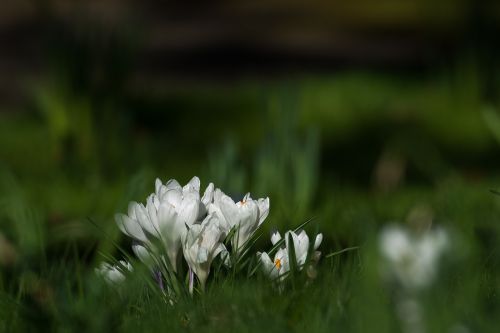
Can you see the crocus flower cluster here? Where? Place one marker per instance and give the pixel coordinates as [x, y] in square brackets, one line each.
[176, 219]
[178, 224]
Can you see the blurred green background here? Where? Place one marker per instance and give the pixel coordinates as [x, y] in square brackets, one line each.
[354, 113]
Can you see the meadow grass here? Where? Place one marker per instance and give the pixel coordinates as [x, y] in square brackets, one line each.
[55, 287]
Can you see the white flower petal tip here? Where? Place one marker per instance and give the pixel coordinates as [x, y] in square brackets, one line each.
[275, 237]
[158, 185]
[208, 195]
[317, 241]
[193, 185]
[263, 205]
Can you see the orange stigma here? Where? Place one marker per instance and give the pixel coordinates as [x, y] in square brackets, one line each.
[277, 263]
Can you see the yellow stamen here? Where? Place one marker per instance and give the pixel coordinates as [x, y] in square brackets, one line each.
[277, 263]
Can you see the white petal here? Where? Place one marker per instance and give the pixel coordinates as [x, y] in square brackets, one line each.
[245, 229]
[131, 210]
[172, 231]
[190, 237]
[301, 247]
[144, 221]
[263, 209]
[208, 195]
[267, 264]
[143, 254]
[223, 224]
[275, 237]
[130, 227]
[218, 196]
[211, 233]
[193, 185]
[156, 201]
[188, 210]
[282, 256]
[173, 184]
[302, 236]
[229, 210]
[206, 200]
[171, 228]
[173, 197]
[202, 255]
[152, 214]
[158, 185]
[318, 240]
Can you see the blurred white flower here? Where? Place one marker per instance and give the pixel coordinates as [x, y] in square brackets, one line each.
[245, 215]
[281, 263]
[113, 274]
[412, 259]
[201, 244]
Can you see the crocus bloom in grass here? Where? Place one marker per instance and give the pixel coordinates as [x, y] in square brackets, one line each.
[201, 244]
[412, 259]
[113, 274]
[301, 245]
[277, 267]
[245, 215]
[281, 265]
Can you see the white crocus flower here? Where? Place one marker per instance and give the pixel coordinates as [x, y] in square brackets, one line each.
[300, 244]
[281, 265]
[412, 259]
[245, 215]
[201, 244]
[183, 211]
[113, 274]
[277, 267]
